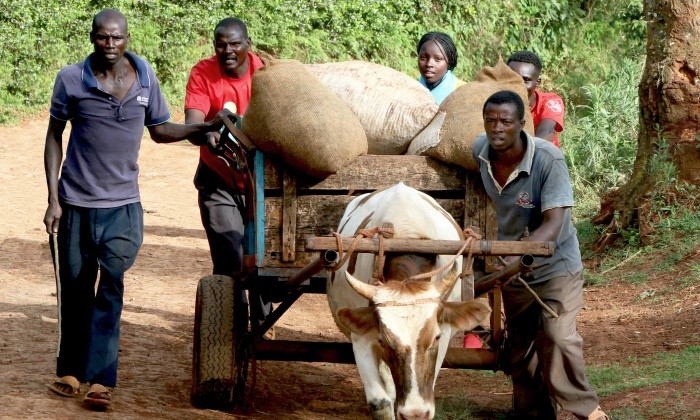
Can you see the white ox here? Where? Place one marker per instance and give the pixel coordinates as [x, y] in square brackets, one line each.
[400, 329]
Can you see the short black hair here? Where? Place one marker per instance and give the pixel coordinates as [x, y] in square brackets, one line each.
[506, 97]
[107, 13]
[445, 42]
[231, 22]
[526, 57]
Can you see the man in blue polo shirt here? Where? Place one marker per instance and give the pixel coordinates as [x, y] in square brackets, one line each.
[94, 213]
[528, 181]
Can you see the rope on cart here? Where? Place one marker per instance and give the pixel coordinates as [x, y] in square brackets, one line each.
[388, 232]
[532, 292]
[343, 257]
[467, 269]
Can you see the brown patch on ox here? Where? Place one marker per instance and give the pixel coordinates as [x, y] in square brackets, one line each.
[463, 315]
[359, 321]
[408, 287]
[401, 267]
[397, 358]
[427, 346]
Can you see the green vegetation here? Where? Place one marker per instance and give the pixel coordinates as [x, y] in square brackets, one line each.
[635, 373]
[643, 372]
[37, 39]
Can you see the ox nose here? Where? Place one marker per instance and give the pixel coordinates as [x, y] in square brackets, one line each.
[415, 414]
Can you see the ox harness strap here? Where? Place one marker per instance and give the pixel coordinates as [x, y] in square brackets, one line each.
[413, 303]
[388, 232]
[382, 232]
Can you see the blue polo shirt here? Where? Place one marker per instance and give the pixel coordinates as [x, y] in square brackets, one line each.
[541, 182]
[100, 169]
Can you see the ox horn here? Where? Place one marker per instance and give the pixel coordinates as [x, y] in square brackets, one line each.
[365, 290]
[446, 284]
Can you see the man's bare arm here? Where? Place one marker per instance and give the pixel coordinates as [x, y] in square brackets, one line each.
[546, 129]
[53, 156]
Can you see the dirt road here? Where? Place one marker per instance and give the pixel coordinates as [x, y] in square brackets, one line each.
[156, 346]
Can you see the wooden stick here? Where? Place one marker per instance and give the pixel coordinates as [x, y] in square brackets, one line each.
[534, 295]
[441, 247]
[621, 262]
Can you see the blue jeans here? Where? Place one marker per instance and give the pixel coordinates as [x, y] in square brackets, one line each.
[94, 242]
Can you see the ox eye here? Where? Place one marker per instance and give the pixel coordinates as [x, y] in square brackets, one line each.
[437, 337]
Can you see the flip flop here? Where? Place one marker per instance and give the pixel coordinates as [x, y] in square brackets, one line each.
[98, 396]
[66, 386]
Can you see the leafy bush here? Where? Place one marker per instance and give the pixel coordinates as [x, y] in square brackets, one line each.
[600, 141]
[37, 39]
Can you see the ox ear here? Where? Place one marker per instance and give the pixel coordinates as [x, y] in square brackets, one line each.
[464, 315]
[365, 290]
[359, 321]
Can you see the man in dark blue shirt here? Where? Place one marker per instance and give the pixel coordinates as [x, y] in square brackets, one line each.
[94, 212]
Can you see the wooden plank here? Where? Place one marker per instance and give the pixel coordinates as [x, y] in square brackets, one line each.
[496, 302]
[315, 216]
[428, 246]
[322, 213]
[341, 352]
[474, 201]
[372, 172]
[289, 217]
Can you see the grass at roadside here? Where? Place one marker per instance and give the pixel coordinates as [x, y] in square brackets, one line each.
[644, 372]
[608, 380]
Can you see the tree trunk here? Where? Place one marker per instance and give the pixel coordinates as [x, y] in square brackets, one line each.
[669, 102]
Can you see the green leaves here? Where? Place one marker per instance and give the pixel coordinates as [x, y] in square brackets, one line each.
[572, 38]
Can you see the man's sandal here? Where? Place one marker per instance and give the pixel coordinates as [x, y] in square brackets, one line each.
[66, 386]
[598, 414]
[98, 396]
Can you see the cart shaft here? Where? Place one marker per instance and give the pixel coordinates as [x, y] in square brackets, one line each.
[429, 246]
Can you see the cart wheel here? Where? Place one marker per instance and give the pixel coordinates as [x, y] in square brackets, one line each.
[219, 355]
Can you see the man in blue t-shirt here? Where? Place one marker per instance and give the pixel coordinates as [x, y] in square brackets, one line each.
[528, 181]
[94, 212]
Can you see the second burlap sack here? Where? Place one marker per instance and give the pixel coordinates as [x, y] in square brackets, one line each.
[293, 116]
[392, 107]
[451, 134]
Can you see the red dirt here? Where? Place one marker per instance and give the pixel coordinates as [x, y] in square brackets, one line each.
[156, 346]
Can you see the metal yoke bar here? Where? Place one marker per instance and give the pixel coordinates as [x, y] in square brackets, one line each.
[429, 246]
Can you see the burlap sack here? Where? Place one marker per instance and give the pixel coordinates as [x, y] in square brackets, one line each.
[463, 119]
[391, 106]
[292, 115]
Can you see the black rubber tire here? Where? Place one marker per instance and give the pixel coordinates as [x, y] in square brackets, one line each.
[219, 359]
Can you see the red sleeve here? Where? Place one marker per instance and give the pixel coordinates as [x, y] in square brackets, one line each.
[552, 108]
[196, 93]
[257, 62]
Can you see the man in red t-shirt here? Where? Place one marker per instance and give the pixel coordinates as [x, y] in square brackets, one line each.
[547, 108]
[222, 81]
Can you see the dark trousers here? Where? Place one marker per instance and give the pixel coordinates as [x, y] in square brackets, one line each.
[546, 353]
[92, 242]
[225, 227]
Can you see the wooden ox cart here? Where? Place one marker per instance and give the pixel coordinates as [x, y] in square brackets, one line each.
[288, 250]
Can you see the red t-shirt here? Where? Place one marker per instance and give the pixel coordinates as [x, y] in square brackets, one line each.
[549, 105]
[208, 90]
